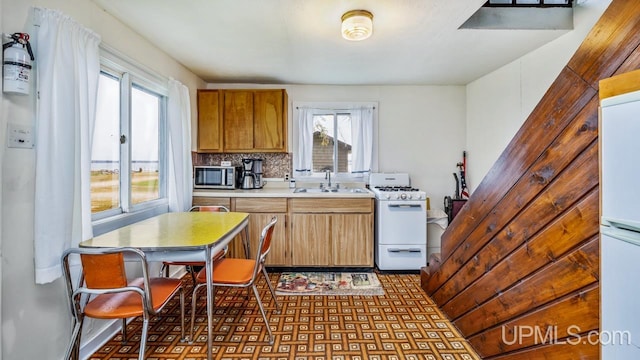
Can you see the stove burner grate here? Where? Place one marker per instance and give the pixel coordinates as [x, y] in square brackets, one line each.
[395, 188]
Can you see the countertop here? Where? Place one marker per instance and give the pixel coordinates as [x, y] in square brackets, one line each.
[280, 189]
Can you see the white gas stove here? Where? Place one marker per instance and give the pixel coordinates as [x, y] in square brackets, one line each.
[401, 214]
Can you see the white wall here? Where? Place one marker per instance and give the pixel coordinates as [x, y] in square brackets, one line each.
[421, 128]
[498, 103]
[2, 145]
[35, 319]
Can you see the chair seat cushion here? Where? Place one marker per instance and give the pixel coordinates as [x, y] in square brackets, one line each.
[230, 271]
[129, 304]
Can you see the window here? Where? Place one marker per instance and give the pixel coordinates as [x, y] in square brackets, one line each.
[335, 138]
[127, 159]
[332, 142]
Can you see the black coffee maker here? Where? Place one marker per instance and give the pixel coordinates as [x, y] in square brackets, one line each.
[251, 174]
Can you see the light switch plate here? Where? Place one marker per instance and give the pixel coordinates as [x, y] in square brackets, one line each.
[19, 136]
[225, 163]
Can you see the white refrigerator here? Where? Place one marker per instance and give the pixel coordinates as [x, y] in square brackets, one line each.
[620, 227]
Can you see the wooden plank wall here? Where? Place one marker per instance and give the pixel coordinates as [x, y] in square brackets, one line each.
[524, 251]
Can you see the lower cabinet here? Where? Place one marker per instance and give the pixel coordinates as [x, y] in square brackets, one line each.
[352, 236]
[331, 232]
[262, 210]
[310, 232]
[310, 240]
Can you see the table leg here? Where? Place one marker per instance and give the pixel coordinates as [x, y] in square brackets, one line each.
[246, 243]
[209, 269]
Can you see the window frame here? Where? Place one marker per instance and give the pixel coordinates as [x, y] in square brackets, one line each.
[132, 75]
[336, 108]
[335, 158]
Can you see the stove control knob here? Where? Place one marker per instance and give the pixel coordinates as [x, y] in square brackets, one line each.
[387, 196]
[403, 196]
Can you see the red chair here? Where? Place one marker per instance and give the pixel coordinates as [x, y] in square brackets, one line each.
[104, 292]
[191, 265]
[240, 273]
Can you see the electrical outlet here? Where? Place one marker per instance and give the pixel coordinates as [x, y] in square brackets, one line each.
[19, 136]
[286, 177]
[225, 163]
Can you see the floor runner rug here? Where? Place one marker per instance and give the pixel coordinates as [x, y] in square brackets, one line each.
[329, 283]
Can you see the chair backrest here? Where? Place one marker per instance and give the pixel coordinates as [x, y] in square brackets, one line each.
[209, 208]
[265, 240]
[103, 271]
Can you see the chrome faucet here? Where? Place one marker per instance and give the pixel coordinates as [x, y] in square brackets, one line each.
[327, 175]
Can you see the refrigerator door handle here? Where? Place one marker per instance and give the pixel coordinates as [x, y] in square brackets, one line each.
[621, 224]
[621, 234]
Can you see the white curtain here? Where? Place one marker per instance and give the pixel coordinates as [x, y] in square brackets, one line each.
[68, 68]
[362, 138]
[179, 117]
[304, 157]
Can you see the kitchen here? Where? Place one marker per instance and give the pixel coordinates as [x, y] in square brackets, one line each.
[462, 112]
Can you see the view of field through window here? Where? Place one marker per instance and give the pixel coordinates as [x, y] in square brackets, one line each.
[106, 180]
[105, 189]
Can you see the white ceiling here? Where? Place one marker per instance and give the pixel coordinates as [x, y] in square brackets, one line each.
[299, 42]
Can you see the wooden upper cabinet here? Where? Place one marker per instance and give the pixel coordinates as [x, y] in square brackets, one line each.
[209, 120]
[269, 121]
[238, 120]
[255, 120]
[249, 120]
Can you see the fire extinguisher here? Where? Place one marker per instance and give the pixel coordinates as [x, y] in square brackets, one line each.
[17, 57]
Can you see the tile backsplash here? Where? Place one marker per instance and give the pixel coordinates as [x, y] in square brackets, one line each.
[274, 165]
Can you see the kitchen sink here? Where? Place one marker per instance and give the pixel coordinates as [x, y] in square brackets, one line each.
[330, 190]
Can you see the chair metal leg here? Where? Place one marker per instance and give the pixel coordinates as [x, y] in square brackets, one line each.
[182, 314]
[73, 349]
[124, 331]
[264, 315]
[165, 269]
[192, 271]
[194, 297]
[245, 243]
[143, 337]
[273, 291]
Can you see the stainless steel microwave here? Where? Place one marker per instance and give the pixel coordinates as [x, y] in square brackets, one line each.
[216, 177]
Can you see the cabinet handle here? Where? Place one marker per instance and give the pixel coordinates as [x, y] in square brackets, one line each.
[412, 250]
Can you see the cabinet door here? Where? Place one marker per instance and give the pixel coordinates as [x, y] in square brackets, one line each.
[269, 127]
[209, 121]
[238, 120]
[352, 236]
[310, 239]
[278, 254]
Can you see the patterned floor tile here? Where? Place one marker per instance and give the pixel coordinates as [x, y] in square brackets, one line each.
[403, 324]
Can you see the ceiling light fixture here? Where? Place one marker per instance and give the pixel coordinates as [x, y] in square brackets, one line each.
[357, 25]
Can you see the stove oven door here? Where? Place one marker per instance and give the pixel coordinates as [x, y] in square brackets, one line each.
[401, 235]
[401, 222]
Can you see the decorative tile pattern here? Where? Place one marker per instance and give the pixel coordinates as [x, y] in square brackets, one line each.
[403, 324]
[275, 165]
